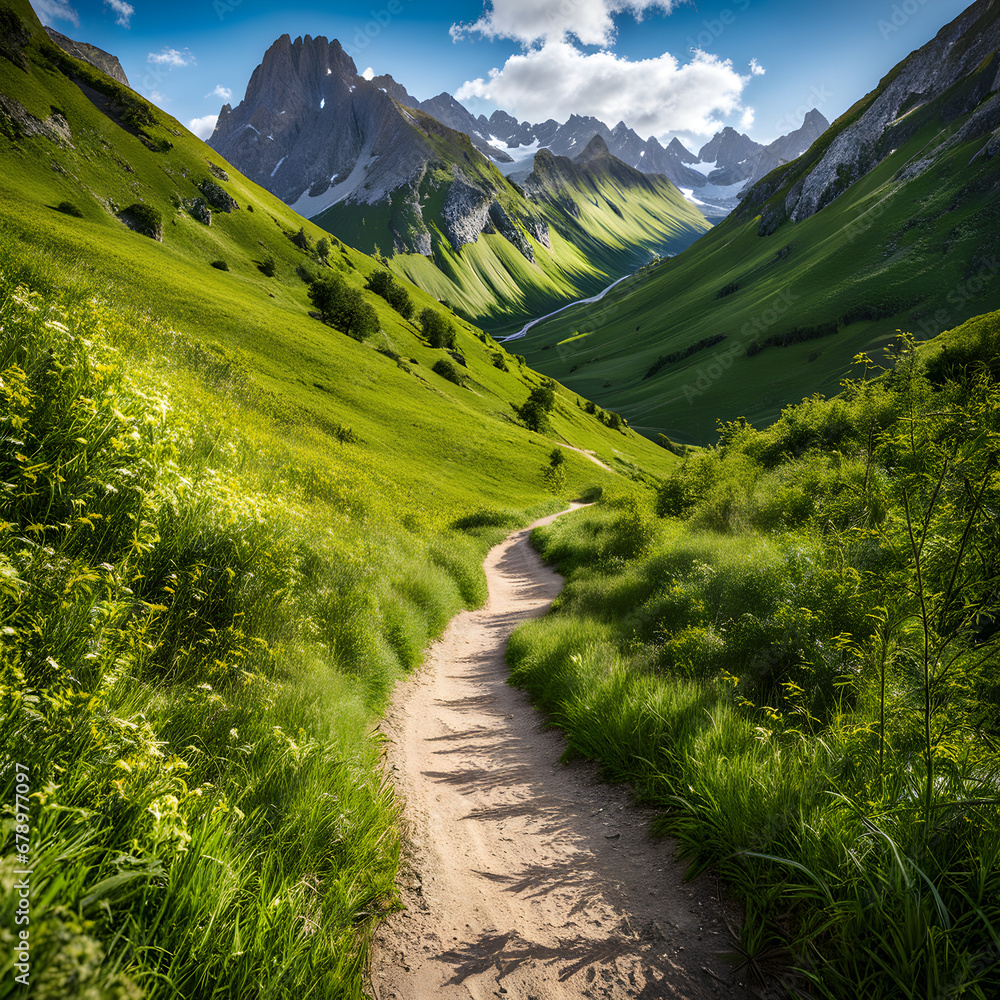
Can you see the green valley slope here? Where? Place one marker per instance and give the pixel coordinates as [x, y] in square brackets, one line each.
[226, 531]
[602, 220]
[74, 136]
[772, 304]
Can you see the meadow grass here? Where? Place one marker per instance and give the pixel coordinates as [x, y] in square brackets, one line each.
[792, 650]
[202, 613]
[217, 556]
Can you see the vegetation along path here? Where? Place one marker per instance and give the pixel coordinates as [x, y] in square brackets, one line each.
[526, 876]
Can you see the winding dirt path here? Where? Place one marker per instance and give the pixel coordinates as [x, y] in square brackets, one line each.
[526, 877]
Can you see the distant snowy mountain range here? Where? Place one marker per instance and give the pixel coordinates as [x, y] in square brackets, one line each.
[714, 179]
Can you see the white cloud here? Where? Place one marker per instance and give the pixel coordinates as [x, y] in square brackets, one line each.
[653, 96]
[171, 57]
[203, 127]
[55, 10]
[160, 100]
[756, 69]
[369, 73]
[747, 118]
[223, 92]
[123, 10]
[527, 21]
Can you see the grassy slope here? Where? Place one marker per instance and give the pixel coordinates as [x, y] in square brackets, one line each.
[797, 662]
[269, 523]
[490, 281]
[421, 449]
[917, 254]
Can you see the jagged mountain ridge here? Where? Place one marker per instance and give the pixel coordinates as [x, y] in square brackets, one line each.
[729, 160]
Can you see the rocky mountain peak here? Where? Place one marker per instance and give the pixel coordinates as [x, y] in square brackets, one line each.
[86, 52]
[729, 147]
[308, 70]
[594, 149]
[395, 90]
[678, 149]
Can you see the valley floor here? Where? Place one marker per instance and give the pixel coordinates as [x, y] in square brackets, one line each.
[527, 876]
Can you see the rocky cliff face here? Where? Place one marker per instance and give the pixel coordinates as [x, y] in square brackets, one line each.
[884, 119]
[790, 146]
[104, 61]
[316, 134]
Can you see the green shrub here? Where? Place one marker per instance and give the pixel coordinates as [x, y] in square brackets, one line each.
[221, 265]
[554, 474]
[632, 531]
[267, 267]
[437, 328]
[537, 407]
[343, 306]
[446, 369]
[384, 284]
[68, 208]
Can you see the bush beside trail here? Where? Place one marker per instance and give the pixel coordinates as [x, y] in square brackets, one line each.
[792, 648]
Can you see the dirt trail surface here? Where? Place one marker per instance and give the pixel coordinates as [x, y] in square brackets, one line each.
[586, 454]
[525, 877]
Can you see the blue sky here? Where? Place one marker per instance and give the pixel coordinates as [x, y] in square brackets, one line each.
[664, 67]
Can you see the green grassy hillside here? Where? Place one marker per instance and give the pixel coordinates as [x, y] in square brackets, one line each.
[226, 529]
[602, 223]
[308, 369]
[888, 253]
[792, 651]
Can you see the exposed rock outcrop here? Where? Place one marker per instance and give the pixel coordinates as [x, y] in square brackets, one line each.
[199, 210]
[217, 196]
[17, 121]
[957, 51]
[104, 61]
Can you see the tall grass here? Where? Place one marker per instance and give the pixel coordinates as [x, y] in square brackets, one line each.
[199, 619]
[801, 671]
